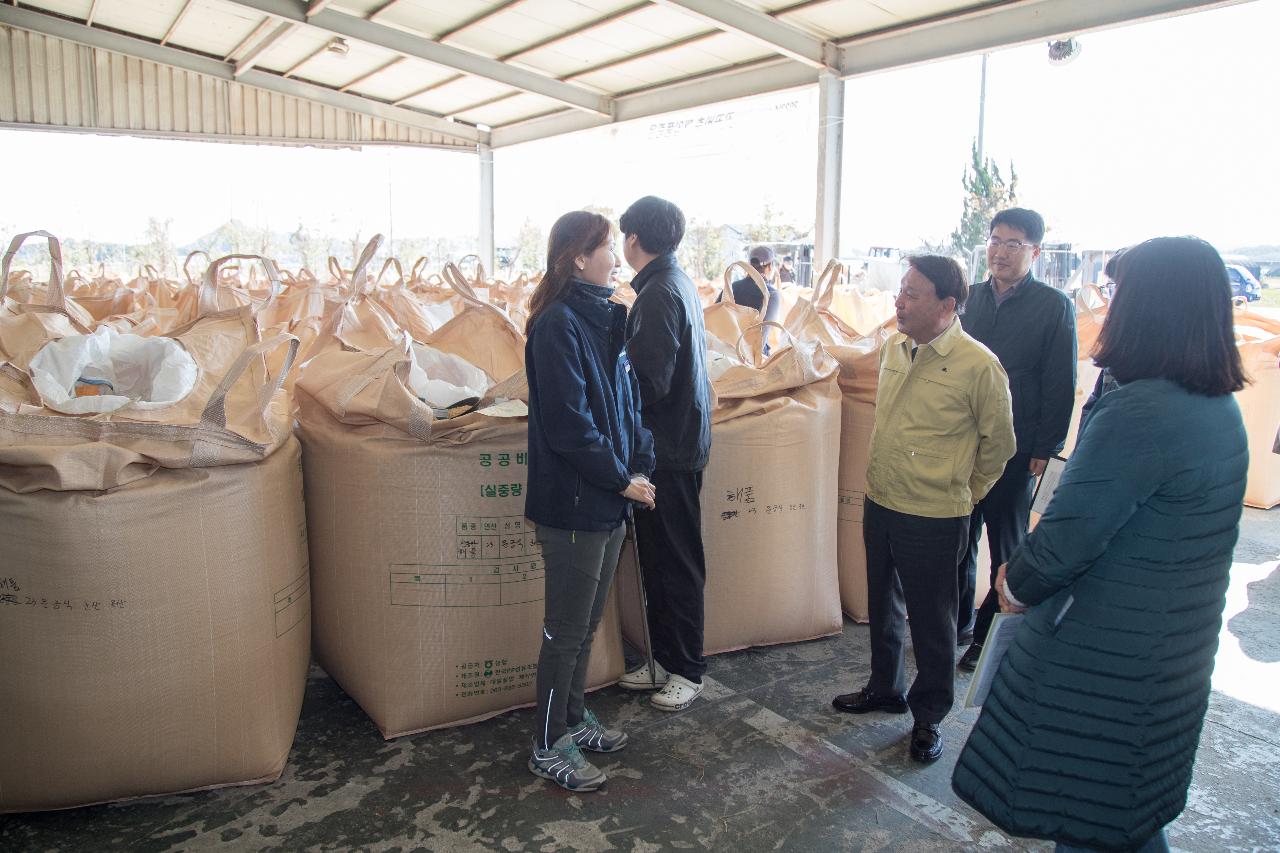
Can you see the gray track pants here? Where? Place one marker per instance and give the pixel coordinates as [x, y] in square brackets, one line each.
[579, 571]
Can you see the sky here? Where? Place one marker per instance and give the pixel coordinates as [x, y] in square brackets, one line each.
[1168, 127]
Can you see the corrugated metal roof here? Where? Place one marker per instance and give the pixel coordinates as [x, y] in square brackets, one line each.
[529, 67]
[59, 84]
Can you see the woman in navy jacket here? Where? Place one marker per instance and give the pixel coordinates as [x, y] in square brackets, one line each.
[589, 459]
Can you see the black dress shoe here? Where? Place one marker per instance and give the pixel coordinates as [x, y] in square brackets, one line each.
[926, 743]
[969, 660]
[864, 701]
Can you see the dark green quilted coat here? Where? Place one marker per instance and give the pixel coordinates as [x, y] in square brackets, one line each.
[1090, 731]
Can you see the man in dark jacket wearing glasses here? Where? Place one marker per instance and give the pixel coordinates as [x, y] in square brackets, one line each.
[1031, 328]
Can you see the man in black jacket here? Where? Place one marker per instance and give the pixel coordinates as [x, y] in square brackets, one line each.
[667, 348]
[1031, 327]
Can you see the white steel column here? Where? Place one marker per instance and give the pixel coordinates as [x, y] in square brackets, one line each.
[486, 251]
[826, 241]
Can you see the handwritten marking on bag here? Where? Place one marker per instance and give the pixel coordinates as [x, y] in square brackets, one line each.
[849, 505]
[491, 538]
[498, 584]
[63, 605]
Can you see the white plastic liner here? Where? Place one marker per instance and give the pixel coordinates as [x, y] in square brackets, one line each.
[145, 373]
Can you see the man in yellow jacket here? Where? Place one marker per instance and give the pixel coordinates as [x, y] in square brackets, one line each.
[943, 433]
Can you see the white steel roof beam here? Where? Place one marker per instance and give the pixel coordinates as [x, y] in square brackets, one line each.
[407, 44]
[369, 74]
[293, 69]
[779, 36]
[177, 22]
[770, 75]
[253, 36]
[999, 26]
[255, 53]
[93, 10]
[62, 28]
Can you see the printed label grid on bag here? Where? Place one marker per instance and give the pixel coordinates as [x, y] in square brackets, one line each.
[499, 584]
[292, 604]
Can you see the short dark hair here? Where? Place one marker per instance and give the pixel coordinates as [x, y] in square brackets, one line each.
[1171, 319]
[945, 274]
[1112, 268]
[657, 223]
[1024, 219]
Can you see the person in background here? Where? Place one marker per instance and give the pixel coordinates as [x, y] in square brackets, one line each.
[1105, 381]
[1089, 734]
[943, 432]
[1031, 327]
[589, 459]
[786, 275]
[667, 345]
[747, 292]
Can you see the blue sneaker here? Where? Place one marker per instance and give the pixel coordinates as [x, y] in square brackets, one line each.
[591, 734]
[563, 764]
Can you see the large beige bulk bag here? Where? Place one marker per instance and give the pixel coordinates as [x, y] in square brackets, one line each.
[357, 322]
[481, 333]
[768, 502]
[428, 580]
[403, 305]
[21, 293]
[1258, 339]
[858, 355]
[154, 597]
[25, 327]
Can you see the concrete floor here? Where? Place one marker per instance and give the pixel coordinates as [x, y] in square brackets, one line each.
[760, 763]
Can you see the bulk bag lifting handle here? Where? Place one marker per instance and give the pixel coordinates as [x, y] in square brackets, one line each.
[754, 276]
[55, 298]
[458, 281]
[215, 413]
[362, 263]
[390, 262]
[830, 274]
[207, 303]
[480, 276]
[750, 358]
[186, 266]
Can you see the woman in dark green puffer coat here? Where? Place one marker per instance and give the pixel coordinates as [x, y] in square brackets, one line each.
[1090, 731]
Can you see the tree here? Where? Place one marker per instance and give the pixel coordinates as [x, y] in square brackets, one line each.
[531, 248]
[771, 228]
[159, 250]
[702, 252]
[310, 248]
[985, 194]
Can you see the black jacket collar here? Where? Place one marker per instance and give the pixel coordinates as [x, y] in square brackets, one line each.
[659, 264]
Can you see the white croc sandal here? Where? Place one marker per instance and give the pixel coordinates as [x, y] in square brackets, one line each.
[678, 694]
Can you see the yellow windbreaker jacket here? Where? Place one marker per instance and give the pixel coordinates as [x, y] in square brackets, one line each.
[944, 426]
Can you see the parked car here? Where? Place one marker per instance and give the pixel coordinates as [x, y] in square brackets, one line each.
[1243, 283]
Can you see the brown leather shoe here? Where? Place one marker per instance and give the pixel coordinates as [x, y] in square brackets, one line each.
[864, 701]
[926, 742]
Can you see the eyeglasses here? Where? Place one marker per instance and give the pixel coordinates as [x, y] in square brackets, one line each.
[1011, 245]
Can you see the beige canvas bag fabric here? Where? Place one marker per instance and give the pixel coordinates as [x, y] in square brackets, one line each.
[404, 307]
[859, 358]
[26, 327]
[428, 579]
[154, 599]
[768, 502]
[481, 333]
[358, 322]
